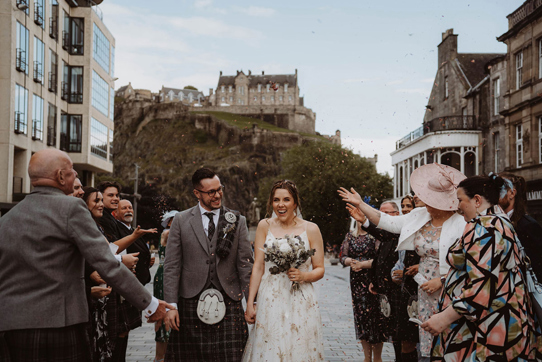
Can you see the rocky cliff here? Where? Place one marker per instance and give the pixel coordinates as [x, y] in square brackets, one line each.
[169, 143]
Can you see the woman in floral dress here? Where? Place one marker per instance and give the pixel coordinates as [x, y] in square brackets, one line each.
[357, 251]
[486, 312]
[429, 231]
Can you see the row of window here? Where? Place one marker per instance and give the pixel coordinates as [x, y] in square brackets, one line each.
[255, 99]
[518, 61]
[182, 97]
[71, 126]
[241, 89]
[519, 136]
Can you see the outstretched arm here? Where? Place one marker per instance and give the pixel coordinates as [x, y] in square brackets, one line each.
[353, 198]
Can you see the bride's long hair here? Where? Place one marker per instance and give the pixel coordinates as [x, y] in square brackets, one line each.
[288, 186]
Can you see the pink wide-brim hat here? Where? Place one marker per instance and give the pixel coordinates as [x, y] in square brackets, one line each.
[436, 185]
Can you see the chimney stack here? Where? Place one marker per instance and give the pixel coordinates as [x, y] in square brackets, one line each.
[221, 73]
[263, 73]
[447, 49]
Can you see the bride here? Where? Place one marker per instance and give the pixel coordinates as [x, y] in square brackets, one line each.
[288, 325]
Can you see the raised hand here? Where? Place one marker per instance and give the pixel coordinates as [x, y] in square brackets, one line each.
[356, 213]
[139, 232]
[351, 196]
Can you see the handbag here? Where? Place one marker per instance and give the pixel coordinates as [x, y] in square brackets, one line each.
[534, 288]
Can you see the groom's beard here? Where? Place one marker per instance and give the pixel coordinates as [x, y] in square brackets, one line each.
[211, 204]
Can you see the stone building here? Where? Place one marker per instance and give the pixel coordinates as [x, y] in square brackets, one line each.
[127, 92]
[273, 98]
[456, 111]
[520, 128]
[56, 89]
[190, 97]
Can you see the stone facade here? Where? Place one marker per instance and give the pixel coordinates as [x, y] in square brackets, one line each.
[189, 97]
[275, 94]
[52, 55]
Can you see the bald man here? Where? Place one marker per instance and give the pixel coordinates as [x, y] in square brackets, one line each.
[43, 301]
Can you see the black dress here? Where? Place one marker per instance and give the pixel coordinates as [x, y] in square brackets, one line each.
[370, 323]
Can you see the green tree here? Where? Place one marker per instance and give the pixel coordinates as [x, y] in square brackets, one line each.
[191, 87]
[319, 169]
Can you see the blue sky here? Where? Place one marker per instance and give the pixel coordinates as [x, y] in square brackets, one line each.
[365, 67]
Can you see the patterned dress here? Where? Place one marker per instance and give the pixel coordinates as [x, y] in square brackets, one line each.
[370, 323]
[426, 244]
[158, 288]
[486, 286]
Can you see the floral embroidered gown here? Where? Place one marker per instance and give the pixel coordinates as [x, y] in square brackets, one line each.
[486, 286]
[288, 325]
[426, 244]
[370, 323]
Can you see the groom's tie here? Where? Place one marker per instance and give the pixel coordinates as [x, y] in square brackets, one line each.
[211, 228]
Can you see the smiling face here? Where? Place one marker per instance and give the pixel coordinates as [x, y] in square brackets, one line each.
[95, 204]
[284, 205]
[78, 189]
[111, 198]
[210, 203]
[466, 204]
[125, 212]
[406, 206]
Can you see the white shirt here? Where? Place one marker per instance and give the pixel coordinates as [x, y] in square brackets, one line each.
[205, 218]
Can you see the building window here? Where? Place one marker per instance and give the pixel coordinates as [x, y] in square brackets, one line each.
[519, 69]
[259, 88]
[497, 149]
[73, 36]
[446, 91]
[190, 97]
[37, 117]
[263, 98]
[100, 48]
[39, 57]
[70, 132]
[112, 62]
[519, 145]
[280, 99]
[273, 99]
[241, 90]
[111, 145]
[230, 89]
[53, 20]
[539, 139]
[223, 99]
[222, 89]
[181, 96]
[53, 71]
[112, 104]
[231, 99]
[98, 138]
[100, 93]
[496, 95]
[21, 61]
[39, 14]
[21, 106]
[285, 87]
[290, 99]
[267, 87]
[72, 86]
[51, 125]
[540, 58]
[238, 101]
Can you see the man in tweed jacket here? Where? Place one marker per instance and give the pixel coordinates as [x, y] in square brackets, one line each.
[199, 257]
[44, 241]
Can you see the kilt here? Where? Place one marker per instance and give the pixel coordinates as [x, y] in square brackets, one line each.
[121, 316]
[65, 344]
[197, 341]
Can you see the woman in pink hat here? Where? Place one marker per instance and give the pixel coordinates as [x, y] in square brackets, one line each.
[429, 230]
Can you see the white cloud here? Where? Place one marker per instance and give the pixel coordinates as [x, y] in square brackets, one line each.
[199, 4]
[256, 11]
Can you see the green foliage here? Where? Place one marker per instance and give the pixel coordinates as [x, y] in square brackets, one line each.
[200, 136]
[319, 169]
[191, 87]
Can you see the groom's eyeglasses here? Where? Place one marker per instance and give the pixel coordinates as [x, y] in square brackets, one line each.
[212, 193]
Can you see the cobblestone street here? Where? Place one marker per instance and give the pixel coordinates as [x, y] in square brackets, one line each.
[340, 343]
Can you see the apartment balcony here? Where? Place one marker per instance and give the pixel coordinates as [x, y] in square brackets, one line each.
[53, 83]
[20, 123]
[36, 130]
[441, 124]
[523, 11]
[38, 73]
[22, 5]
[20, 61]
[38, 14]
[53, 27]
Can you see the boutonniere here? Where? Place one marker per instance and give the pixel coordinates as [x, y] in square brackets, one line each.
[228, 228]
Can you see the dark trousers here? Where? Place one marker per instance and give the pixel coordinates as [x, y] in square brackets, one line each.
[66, 344]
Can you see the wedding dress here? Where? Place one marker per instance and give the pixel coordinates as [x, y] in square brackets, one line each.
[288, 325]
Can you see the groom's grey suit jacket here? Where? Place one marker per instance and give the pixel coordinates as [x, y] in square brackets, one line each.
[189, 257]
[44, 241]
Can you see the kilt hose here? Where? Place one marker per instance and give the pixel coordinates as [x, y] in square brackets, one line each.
[198, 342]
[67, 344]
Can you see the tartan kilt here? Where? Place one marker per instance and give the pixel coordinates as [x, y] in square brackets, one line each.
[121, 316]
[196, 341]
[65, 344]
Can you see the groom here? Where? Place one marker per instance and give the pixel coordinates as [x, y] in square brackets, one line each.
[207, 251]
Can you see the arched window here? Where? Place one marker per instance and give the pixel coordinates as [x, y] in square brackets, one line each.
[469, 164]
[451, 159]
